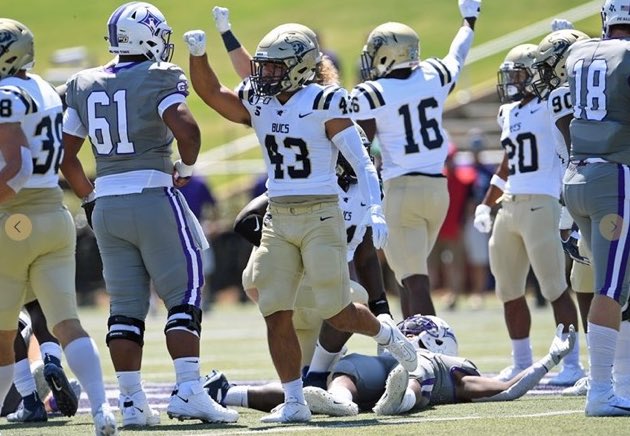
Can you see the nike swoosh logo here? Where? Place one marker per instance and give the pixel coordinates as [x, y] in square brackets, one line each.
[257, 224]
[324, 218]
[304, 115]
[622, 408]
[533, 111]
[184, 400]
[55, 385]
[363, 204]
[140, 410]
[535, 208]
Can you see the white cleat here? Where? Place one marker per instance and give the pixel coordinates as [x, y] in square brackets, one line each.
[568, 375]
[402, 350]
[395, 387]
[322, 402]
[289, 411]
[606, 403]
[509, 373]
[105, 422]
[136, 412]
[622, 385]
[190, 401]
[579, 389]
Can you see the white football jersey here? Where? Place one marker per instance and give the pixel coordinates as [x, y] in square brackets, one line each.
[526, 137]
[560, 105]
[408, 115]
[354, 208]
[35, 104]
[300, 158]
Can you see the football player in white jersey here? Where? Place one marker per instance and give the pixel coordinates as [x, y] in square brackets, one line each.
[401, 101]
[527, 183]
[37, 248]
[301, 127]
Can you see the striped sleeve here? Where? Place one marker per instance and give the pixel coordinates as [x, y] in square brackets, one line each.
[15, 103]
[245, 91]
[444, 73]
[324, 98]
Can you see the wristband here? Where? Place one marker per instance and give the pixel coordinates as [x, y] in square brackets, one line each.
[230, 41]
[90, 197]
[498, 182]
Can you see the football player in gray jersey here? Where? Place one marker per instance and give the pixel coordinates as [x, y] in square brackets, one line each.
[303, 229]
[131, 110]
[595, 190]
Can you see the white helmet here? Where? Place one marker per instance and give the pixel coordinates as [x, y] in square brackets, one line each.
[139, 28]
[284, 61]
[614, 12]
[432, 333]
[16, 47]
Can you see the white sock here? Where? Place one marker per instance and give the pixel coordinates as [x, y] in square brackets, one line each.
[341, 393]
[408, 401]
[50, 348]
[322, 359]
[85, 362]
[293, 389]
[129, 382]
[186, 369]
[573, 358]
[237, 396]
[621, 367]
[601, 354]
[6, 380]
[521, 353]
[384, 334]
[23, 379]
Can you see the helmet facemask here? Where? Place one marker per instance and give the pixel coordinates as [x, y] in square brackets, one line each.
[514, 82]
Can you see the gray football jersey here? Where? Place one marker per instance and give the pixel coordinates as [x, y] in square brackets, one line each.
[120, 106]
[598, 76]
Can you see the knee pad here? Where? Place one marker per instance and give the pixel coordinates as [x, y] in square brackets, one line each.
[250, 228]
[184, 317]
[124, 327]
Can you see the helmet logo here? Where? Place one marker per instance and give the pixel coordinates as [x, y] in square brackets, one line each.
[611, 8]
[6, 40]
[151, 21]
[298, 46]
[378, 42]
[560, 46]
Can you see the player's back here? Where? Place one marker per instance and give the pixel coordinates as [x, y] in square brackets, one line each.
[598, 76]
[121, 106]
[35, 104]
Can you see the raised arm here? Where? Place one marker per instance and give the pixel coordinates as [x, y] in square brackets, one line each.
[206, 83]
[239, 56]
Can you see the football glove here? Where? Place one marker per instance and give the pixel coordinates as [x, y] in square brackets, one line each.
[570, 247]
[88, 203]
[561, 24]
[221, 18]
[483, 220]
[469, 8]
[561, 347]
[196, 42]
[376, 220]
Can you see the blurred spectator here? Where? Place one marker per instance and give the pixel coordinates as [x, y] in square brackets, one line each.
[475, 242]
[447, 259]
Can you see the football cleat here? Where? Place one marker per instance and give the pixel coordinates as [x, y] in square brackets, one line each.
[41, 385]
[217, 386]
[136, 412]
[568, 375]
[395, 387]
[606, 403]
[402, 350]
[66, 399]
[51, 403]
[579, 389]
[509, 373]
[323, 402]
[289, 411]
[104, 421]
[191, 401]
[35, 414]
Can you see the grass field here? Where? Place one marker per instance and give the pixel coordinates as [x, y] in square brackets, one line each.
[343, 27]
[234, 342]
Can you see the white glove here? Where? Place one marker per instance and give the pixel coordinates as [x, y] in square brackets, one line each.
[559, 347]
[483, 220]
[566, 220]
[376, 220]
[221, 18]
[469, 8]
[183, 171]
[561, 24]
[196, 42]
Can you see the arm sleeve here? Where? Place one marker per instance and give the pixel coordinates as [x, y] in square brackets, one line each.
[72, 124]
[349, 143]
[449, 68]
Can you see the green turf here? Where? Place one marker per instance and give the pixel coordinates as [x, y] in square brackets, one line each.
[234, 341]
[343, 26]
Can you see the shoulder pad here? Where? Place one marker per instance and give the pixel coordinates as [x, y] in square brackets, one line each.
[372, 93]
[324, 98]
[18, 103]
